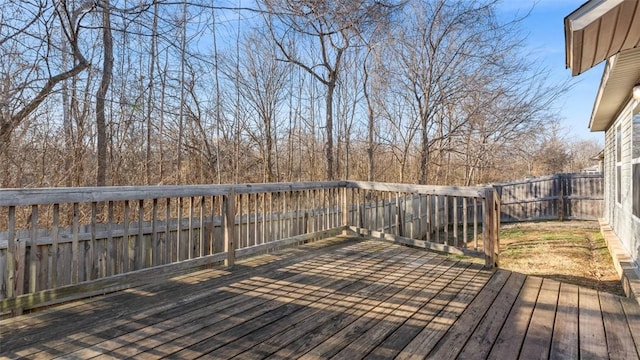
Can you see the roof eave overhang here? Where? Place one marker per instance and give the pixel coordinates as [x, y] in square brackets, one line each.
[583, 24]
[621, 73]
[606, 30]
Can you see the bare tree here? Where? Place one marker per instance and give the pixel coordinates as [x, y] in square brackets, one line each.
[261, 82]
[28, 29]
[333, 26]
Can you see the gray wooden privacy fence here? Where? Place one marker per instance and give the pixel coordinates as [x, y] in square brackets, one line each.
[555, 197]
[64, 243]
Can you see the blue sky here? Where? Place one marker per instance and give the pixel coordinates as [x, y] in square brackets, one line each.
[545, 30]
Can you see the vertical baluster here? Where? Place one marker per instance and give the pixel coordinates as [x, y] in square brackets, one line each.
[285, 214]
[112, 249]
[455, 221]
[211, 237]
[281, 210]
[398, 216]
[336, 206]
[75, 248]
[179, 231]
[264, 219]
[155, 237]
[55, 235]
[15, 261]
[325, 209]
[228, 216]
[313, 210]
[354, 208]
[190, 244]
[91, 254]
[390, 213]
[166, 245]
[437, 219]
[141, 248]
[465, 216]
[420, 216]
[366, 217]
[410, 198]
[240, 244]
[377, 213]
[271, 227]
[255, 220]
[248, 235]
[445, 220]
[201, 243]
[475, 224]
[33, 250]
[298, 221]
[429, 223]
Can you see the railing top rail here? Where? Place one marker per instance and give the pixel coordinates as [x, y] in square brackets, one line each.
[466, 191]
[41, 196]
[536, 179]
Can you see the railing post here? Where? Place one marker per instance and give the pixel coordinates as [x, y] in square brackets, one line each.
[345, 210]
[229, 219]
[491, 228]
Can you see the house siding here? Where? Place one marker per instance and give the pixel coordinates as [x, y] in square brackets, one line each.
[620, 215]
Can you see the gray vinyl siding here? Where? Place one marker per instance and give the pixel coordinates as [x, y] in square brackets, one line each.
[620, 215]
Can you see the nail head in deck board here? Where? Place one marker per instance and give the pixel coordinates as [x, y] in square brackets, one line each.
[451, 343]
[564, 343]
[509, 341]
[537, 341]
[485, 334]
[592, 335]
[619, 340]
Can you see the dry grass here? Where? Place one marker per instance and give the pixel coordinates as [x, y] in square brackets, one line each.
[572, 252]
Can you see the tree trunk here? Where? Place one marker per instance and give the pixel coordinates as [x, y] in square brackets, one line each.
[424, 154]
[329, 127]
[107, 70]
[152, 62]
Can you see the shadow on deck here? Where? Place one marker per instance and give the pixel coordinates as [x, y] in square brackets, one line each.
[339, 297]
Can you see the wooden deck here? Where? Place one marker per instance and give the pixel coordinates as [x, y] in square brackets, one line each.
[340, 298]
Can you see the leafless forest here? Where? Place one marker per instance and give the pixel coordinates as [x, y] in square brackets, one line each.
[106, 92]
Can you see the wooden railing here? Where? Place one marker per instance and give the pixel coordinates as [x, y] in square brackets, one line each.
[449, 219]
[64, 243]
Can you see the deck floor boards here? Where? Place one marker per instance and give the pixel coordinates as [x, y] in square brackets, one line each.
[340, 298]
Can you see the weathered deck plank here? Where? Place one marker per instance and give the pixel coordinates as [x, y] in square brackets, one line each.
[510, 339]
[537, 342]
[593, 344]
[565, 331]
[456, 336]
[479, 344]
[618, 334]
[341, 298]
